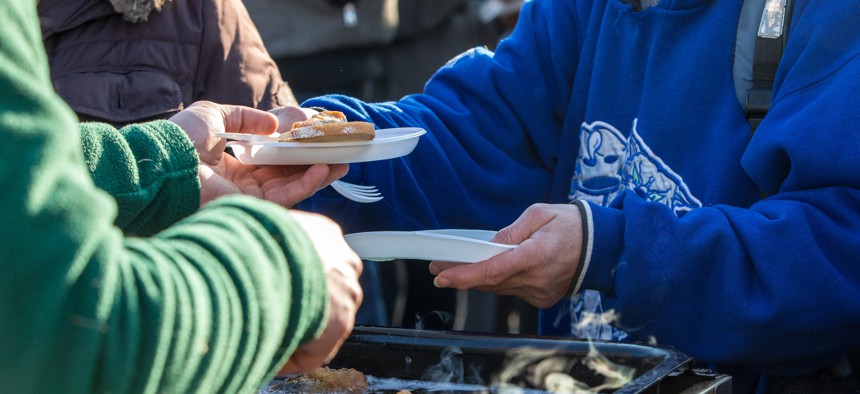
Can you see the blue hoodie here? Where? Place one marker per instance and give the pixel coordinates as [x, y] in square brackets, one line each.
[739, 250]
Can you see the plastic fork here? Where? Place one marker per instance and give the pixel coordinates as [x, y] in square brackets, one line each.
[357, 193]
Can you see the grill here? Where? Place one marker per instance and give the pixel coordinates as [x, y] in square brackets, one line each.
[463, 362]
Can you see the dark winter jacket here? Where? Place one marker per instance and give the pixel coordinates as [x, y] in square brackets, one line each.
[125, 61]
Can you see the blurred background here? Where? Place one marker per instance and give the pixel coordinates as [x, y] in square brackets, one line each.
[382, 50]
[376, 50]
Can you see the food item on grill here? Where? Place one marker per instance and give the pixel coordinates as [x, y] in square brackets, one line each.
[324, 380]
[329, 126]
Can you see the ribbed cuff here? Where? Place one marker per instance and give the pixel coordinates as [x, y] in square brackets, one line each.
[603, 245]
[587, 246]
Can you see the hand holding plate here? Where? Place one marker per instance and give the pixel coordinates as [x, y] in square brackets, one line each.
[221, 174]
[540, 270]
[203, 119]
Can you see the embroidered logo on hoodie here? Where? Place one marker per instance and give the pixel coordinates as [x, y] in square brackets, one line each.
[610, 163]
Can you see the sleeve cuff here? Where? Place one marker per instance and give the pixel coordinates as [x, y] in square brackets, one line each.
[587, 246]
[602, 247]
[175, 175]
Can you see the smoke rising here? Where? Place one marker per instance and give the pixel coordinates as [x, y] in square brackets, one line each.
[550, 371]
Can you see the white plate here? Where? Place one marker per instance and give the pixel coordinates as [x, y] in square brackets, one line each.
[388, 144]
[461, 246]
[247, 137]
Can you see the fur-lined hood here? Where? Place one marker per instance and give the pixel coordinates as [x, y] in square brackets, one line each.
[136, 10]
[57, 16]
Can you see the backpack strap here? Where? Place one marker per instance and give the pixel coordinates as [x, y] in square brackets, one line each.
[757, 56]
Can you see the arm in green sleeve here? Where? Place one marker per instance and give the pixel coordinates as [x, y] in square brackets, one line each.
[219, 327]
[214, 303]
[149, 168]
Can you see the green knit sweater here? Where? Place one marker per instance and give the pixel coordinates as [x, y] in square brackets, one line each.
[211, 301]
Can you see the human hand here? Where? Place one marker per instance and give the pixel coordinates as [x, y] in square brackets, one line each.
[342, 268]
[284, 185]
[203, 118]
[289, 115]
[222, 174]
[539, 270]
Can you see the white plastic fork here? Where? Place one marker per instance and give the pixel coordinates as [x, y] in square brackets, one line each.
[357, 193]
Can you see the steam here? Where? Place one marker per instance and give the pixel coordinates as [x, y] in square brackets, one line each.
[449, 374]
[527, 370]
[547, 370]
[616, 375]
[588, 320]
[450, 369]
[592, 319]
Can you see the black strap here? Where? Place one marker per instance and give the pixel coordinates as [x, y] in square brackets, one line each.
[341, 3]
[768, 52]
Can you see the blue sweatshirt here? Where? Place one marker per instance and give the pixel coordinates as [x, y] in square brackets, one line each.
[739, 250]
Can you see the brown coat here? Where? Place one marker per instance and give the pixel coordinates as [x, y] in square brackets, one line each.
[110, 69]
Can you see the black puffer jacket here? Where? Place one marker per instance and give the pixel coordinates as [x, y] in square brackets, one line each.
[111, 69]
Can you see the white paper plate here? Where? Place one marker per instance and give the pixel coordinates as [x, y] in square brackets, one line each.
[247, 137]
[461, 246]
[388, 144]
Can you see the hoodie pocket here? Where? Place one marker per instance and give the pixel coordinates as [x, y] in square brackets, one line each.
[120, 98]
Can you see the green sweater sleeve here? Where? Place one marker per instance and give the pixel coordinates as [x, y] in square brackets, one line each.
[150, 169]
[214, 303]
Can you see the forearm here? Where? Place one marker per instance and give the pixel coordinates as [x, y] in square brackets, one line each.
[215, 303]
[150, 169]
[248, 288]
[756, 280]
[444, 182]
